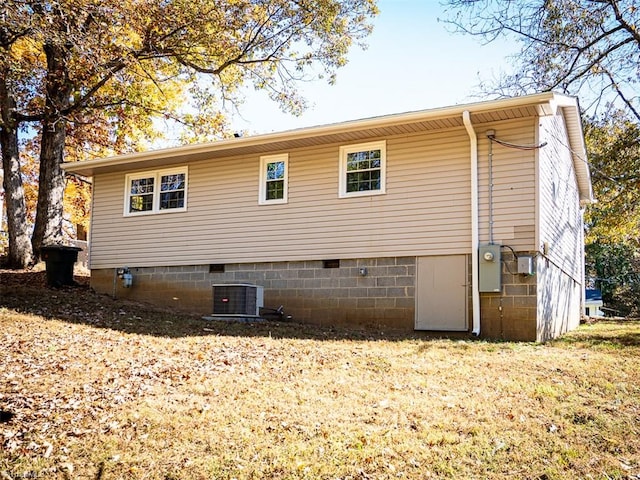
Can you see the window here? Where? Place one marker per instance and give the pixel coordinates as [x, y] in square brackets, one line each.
[156, 192]
[362, 169]
[273, 179]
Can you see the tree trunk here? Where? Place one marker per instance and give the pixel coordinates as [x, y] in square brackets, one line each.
[49, 212]
[51, 182]
[20, 253]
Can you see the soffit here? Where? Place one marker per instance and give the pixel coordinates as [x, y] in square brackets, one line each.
[341, 133]
[577, 147]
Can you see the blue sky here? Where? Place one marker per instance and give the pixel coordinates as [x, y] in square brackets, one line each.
[413, 62]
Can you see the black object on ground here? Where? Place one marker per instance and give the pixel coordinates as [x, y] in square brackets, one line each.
[59, 260]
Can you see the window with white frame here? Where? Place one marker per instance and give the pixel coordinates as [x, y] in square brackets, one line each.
[273, 179]
[362, 169]
[157, 191]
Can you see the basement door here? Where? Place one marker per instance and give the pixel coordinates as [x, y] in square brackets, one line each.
[441, 293]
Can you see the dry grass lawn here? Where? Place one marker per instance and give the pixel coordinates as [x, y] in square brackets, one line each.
[92, 388]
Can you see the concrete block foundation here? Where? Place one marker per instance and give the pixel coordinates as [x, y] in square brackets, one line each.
[373, 293]
[376, 293]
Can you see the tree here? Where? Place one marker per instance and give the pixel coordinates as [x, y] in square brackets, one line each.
[613, 223]
[613, 142]
[11, 33]
[97, 73]
[591, 47]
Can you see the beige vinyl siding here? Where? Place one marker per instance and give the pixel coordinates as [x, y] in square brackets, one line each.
[426, 210]
[514, 187]
[560, 216]
[224, 222]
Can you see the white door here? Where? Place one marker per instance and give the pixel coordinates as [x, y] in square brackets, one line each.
[441, 293]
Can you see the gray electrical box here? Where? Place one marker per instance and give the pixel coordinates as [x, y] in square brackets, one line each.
[490, 268]
[525, 265]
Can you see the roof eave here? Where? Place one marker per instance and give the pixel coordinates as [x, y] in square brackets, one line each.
[546, 102]
[571, 111]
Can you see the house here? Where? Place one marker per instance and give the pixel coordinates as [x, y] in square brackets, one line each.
[458, 219]
[593, 303]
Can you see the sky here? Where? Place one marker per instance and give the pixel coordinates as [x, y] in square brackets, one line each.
[413, 62]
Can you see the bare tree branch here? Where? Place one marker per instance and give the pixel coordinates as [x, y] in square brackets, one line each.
[579, 46]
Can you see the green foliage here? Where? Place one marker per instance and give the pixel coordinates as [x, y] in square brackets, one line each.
[613, 223]
[613, 143]
[614, 269]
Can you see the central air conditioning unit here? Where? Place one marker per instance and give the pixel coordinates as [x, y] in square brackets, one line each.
[237, 300]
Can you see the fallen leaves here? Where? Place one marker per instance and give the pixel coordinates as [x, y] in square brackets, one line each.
[95, 388]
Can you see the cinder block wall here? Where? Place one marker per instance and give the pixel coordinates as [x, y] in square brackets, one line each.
[384, 298]
[311, 292]
[512, 313]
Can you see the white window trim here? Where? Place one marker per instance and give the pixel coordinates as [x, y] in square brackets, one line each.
[345, 150]
[156, 174]
[262, 194]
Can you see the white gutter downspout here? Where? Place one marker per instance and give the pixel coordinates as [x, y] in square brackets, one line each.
[475, 236]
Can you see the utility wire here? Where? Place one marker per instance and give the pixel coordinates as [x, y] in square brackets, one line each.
[593, 169]
[514, 145]
[582, 159]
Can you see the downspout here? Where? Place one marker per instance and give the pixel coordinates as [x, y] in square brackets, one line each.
[475, 235]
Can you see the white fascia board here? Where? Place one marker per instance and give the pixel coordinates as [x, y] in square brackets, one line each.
[189, 152]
